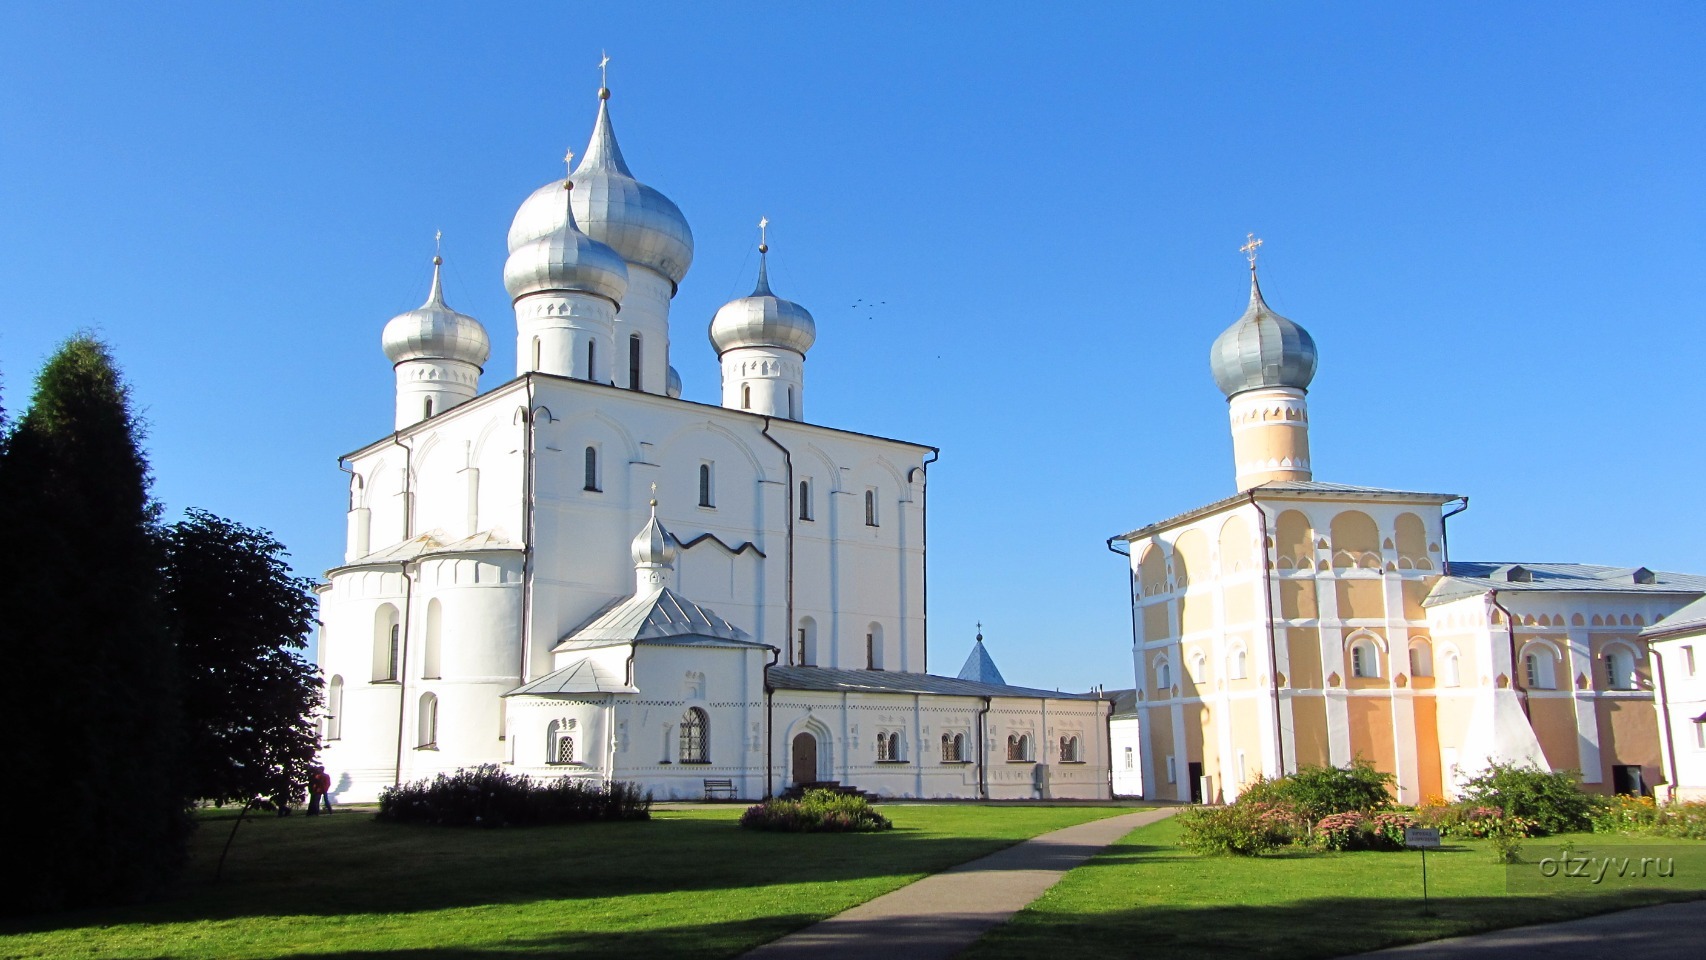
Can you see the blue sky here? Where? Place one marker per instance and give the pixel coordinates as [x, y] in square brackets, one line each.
[1491, 218]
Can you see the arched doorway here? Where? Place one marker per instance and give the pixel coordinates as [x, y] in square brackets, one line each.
[805, 758]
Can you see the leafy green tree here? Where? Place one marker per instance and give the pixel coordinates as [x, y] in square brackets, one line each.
[97, 807]
[248, 699]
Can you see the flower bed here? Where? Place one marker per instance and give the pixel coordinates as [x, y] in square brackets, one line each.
[819, 811]
[487, 796]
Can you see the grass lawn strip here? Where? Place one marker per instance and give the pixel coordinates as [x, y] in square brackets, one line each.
[689, 883]
[1145, 896]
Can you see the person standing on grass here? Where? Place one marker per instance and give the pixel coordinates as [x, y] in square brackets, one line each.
[319, 790]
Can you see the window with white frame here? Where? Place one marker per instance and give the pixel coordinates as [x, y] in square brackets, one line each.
[635, 352]
[1537, 672]
[335, 709]
[707, 494]
[805, 499]
[1238, 664]
[1163, 676]
[871, 507]
[1450, 670]
[1018, 747]
[592, 483]
[1619, 670]
[1421, 659]
[888, 746]
[1172, 770]
[560, 742]
[1700, 733]
[1365, 659]
[1243, 769]
[1688, 658]
[428, 722]
[1069, 746]
[695, 736]
[1130, 758]
[387, 645]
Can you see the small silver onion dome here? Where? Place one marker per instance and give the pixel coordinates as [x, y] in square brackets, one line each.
[637, 221]
[1263, 349]
[763, 319]
[433, 331]
[565, 259]
[652, 546]
[672, 383]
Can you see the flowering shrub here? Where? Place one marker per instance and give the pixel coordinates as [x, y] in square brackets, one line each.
[1469, 821]
[1319, 791]
[1355, 830]
[1550, 801]
[1646, 817]
[488, 796]
[819, 811]
[1243, 829]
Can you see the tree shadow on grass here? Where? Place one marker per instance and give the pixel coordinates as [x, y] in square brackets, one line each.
[350, 865]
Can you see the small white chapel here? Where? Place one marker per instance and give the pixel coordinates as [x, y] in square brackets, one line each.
[578, 573]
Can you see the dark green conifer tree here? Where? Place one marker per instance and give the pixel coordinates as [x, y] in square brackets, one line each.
[96, 808]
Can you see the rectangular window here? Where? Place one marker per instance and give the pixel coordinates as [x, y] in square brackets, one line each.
[1172, 771]
[634, 362]
[871, 507]
[805, 499]
[1243, 771]
[1700, 734]
[1688, 659]
[800, 651]
[870, 651]
[706, 491]
[1129, 760]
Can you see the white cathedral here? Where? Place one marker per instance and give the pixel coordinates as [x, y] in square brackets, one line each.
[580, 574]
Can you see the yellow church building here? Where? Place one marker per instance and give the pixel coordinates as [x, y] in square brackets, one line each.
[1301, 623]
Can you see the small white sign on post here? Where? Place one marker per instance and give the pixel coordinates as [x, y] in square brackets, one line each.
[1421, 837]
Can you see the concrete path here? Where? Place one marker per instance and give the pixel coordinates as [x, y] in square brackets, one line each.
[1671, 931]
[944, 913]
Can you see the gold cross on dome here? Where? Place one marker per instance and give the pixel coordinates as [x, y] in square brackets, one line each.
[1251, 244]
[654, 488]
[569, 163]
[438, 242]
[763, 225]
[603, 65]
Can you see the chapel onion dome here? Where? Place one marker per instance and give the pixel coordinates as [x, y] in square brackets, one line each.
[433, 331]
[763, 320]
[564, 259]
[637, 221]
[652, 546]
[1263, 349]
[672, 383]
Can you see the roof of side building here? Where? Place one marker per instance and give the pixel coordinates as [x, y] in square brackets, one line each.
[1690, 619]
[1292, 490]
[832, 680]
[1471, 577]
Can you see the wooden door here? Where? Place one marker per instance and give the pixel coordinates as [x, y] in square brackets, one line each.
[805, 758]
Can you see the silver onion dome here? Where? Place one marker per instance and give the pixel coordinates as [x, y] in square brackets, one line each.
[763, 320]
[637, 221]
[1263, 349]
[652, 544]
[672, 383]
[565, 259]
[433, 331]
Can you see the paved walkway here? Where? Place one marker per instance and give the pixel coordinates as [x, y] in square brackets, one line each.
[1671, 931]
[944, 913]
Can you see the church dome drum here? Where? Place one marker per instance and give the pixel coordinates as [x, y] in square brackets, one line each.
[1263, 349]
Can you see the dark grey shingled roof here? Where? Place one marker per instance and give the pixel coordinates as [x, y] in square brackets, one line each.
[1125, 702]
[1470, 577]
[980, 667]
[831, 680]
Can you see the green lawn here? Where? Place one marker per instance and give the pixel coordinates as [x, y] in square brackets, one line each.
[1147, 897]
[689, 883]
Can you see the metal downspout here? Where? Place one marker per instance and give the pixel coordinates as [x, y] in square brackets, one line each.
[983, 750]
[529, 470]
[1273, 643]
[408, 603]
[1137, 680]
[1445, 537]
[770, 727]
[1517, 686]
[924, 550]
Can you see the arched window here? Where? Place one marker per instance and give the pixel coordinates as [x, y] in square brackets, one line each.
[953, 747]
[705, 485]
[894, 747]
[592, 359]
[430, 666]
[428, 408]
[805, 646]
[1163, 676]
[428, 739]
[805, 499]
[335, 709]
[634, 355]
[1450, 674]
[387, 644]
[792, 413]
[870, 508]
[1619, 670]
[888, 747]
[1019, 747]
[536, 353]
[1365, 659]
[1239, 664]
[695, 736]
[875, 650]
[1537, 672]
[746, 396]
[1069, 750]
[1421, 658]
[591, 470]
[559, 744]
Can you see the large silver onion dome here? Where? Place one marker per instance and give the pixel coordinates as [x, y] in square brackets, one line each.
[637, 221]
[433, 331]
[565, 259]
[1263, 349]
[763, 320]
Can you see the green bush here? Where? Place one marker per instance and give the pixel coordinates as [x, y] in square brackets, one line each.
[488, 796]
[1553, 801]
[819, 811]
[1470, 821]
[1318, 792]
[1642, 816]
[1243, 829]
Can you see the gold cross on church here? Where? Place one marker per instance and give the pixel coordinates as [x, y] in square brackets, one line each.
[1251, 244]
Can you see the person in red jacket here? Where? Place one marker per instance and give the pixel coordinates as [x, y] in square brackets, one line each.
[319, 790]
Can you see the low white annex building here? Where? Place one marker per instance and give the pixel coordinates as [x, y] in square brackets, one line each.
[1678, 645]
[578, 573]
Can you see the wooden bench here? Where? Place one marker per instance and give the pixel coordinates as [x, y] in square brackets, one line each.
[719, 788]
